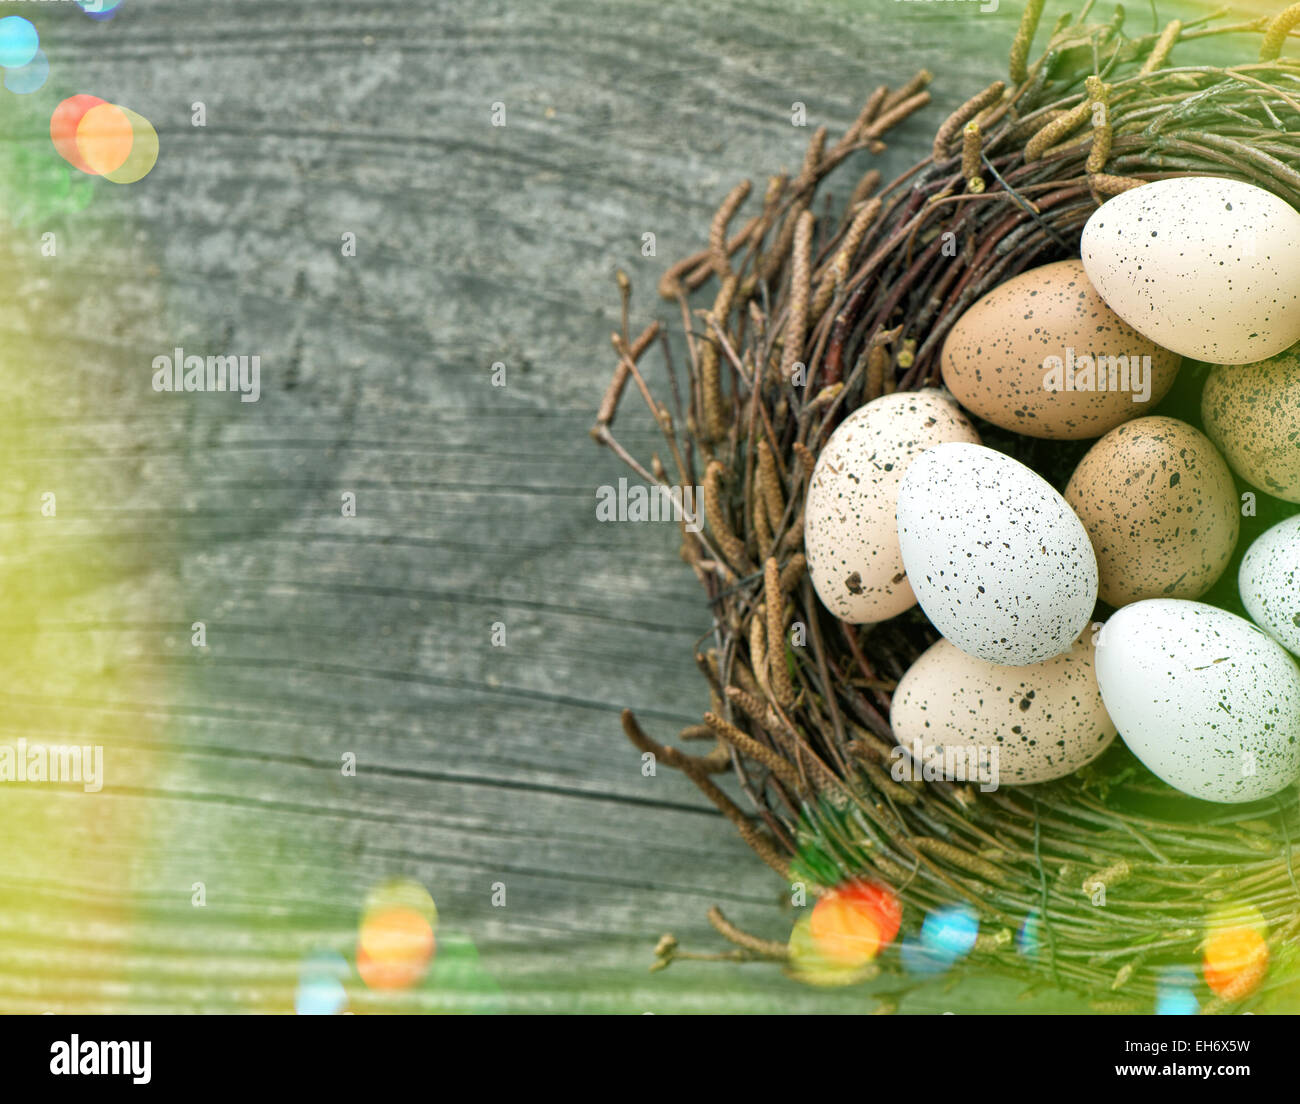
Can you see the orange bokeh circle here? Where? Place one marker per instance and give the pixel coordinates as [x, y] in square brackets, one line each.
[104, 138]
[63, 128]
[1236, 959]
[394, 948]
[850, 924]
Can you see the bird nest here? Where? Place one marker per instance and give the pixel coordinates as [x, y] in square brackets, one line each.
[813, 315]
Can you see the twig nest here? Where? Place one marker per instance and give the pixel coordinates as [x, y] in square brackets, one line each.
[814, 319]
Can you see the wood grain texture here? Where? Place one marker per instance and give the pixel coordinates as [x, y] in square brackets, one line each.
[371, 634]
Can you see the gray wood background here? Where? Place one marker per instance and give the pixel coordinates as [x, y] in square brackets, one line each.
[371, 635]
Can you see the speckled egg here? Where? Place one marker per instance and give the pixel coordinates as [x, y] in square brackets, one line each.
[1205, 699]
[1269, 583]
[998, 561]
[1205, 266]
[1252, 412]
[1161, 508]
[850, 537]
[1029, 724]
[1042, 355]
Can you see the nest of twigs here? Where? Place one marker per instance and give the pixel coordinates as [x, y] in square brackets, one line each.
[814, 315]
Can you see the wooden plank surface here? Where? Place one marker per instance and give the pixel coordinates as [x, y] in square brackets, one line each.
[329, 635]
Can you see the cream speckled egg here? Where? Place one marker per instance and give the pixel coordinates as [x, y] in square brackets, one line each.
[850, 537]
[1033, 724]
[1252, 412]
[1269, 583]
[1042, 355]
[998, 561]
[1205, 699]
[1161, 508]
[1205, 266]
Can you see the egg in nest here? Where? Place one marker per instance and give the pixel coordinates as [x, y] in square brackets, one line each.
[1252, 412]
[850, 537]
[1043, 355]
[998, 561]
[1161, 509]
[1269, 583]
[1205, 699]
[1019, 725]
[1206, 266]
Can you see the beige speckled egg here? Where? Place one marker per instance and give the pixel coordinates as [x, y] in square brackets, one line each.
[1042, 355]
[1045, 720]
[1207, 266]
[1252, 412]
[850, 536]
[1161, 508]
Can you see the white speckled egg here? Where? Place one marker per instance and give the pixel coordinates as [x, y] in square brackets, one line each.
[850, 537]
[1204, 698]
[1029, 724]
[1269, 582]
[1202, 265]
[1000, 564]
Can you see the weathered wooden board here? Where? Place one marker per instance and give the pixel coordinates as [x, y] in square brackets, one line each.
[475, 505]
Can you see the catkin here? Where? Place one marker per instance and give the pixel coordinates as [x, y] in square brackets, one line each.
[1058, 128]
[715, 418]
[1024, 39]
[940, 849]
[1160, 52]
[1099, 96]
[793, 572]
[963, 115]
[838, 274]
[1103, 879]
[769, 483]
[972, 145]
[752, 749]
[718, 253]
[778, 675]
[729, 545]
[1275, 37]
[796, 327]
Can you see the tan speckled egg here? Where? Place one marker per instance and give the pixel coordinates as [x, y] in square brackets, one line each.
[1044, 721]
[1161, 508]
[850, 536]
[1042, 355]
[1252, 412]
